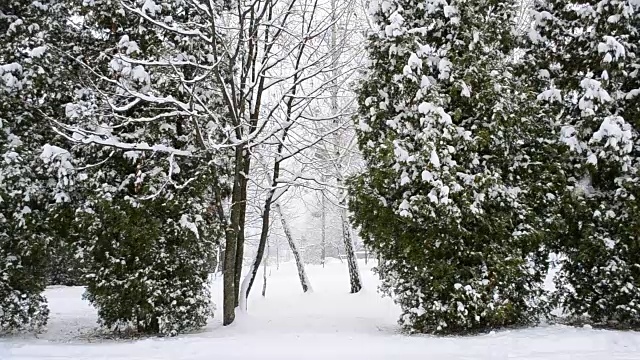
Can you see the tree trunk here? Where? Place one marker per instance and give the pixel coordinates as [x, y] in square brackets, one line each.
[230, 291]
[216, 270]
[264, 273]
[324, 231]
[277, 254]
[246, 167]
[304, 280]
[352, 261]
[249, 279]
[229, 283]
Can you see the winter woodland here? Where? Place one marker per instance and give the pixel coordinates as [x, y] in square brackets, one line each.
[163, 159]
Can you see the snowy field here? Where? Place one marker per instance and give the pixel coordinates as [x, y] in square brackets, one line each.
[329, 324]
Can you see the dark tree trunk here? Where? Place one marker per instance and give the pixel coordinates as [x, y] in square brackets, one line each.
[229, 284]
[243, 215]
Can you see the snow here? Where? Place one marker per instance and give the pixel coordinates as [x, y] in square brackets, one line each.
[415, 62]
[51, 152]
[187, 224]
[37, 51]
[466, 92]
[444, 67]
[138, 73]
[9, 80]
[568, 137]
[611, 44]
[327, 324]
[593, 90]
[434, 159]
[427, 175]
[617, 132]
[130, 47]
[551, 95]
[151, 8]
[14, 26]
[404, 208]
[450, 11]
[395, 28]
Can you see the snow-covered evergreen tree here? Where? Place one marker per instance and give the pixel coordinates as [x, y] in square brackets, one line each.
[449, 199]
[63, 265]
[31, 84]
[586, 56]
[146, 234]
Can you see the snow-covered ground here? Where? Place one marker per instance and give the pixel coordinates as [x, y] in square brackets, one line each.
[327, 324]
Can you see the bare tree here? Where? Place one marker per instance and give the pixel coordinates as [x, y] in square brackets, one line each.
[268, 63]
[298, 116]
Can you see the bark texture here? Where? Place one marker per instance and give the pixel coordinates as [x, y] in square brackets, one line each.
[302, 274]
[352, 261]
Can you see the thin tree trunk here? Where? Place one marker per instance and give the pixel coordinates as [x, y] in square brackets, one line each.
[334, 111]
[302, 274]
[334, 60]
[354, 271]
[264, 273]
[324, 231]
[249, 279]
[216, 270]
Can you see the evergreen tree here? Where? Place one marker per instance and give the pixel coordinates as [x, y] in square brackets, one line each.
[586, 57]
[31, 84]
[63, 264]
[450, 199]
[147, 237]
